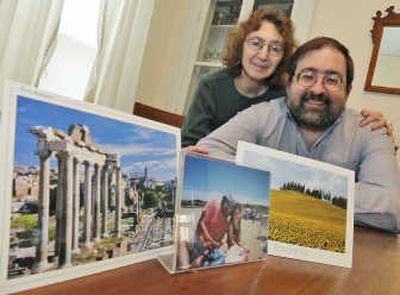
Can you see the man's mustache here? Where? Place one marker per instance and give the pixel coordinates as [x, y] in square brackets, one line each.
[316, 97]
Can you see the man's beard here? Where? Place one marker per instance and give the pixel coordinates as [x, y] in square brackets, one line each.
[317, 119]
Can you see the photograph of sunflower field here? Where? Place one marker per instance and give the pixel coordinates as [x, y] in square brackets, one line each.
[310, 200]
[300, 218]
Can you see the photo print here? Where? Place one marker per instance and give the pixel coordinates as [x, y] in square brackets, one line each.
[84, 188]
[223, 214]
[311, 208]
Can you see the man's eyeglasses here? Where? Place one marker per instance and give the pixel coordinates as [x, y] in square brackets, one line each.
[257, 44]
[308, 78]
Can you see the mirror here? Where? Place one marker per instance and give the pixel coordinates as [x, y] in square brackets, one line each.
[383, 72]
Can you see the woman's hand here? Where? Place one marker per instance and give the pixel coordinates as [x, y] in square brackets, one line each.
[198, 261]
[378, 120]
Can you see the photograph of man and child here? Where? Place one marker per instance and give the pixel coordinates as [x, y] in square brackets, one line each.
[217, 227]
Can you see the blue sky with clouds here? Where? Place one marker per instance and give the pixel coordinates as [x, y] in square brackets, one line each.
[138, 146]
[209, 179]
[284, 171]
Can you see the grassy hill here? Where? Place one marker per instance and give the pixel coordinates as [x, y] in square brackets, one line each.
[298, 219]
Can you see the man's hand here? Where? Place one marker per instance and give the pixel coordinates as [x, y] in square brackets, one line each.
[378, 120]
[198, 261]
[195, 149]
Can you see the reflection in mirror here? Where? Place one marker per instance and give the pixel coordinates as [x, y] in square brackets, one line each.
[388, 61]
[383, 73]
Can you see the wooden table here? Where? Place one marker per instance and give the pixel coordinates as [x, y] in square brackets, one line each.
[376, 270]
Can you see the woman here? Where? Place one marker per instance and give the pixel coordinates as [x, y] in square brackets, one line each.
[255, 58]
[237, 252]
[234, 228]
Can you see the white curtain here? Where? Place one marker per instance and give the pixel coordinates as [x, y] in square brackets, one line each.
[123, 28]
[28, 32]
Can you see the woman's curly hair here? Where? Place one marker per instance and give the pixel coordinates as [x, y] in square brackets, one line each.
[234, 46]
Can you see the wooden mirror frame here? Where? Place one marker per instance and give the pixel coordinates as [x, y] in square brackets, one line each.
[393, 20]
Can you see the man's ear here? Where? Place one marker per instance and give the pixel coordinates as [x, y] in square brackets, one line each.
[349, 87]
[288, 85]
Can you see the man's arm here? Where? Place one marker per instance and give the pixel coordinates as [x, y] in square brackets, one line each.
[205, 233]
[245, 126]
[377, 196]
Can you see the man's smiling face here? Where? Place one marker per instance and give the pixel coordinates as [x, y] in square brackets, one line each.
[317, 93]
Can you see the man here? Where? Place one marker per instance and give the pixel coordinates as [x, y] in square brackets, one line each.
[313, 122]
[211, 228]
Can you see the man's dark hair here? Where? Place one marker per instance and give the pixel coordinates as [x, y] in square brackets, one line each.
[319, 43]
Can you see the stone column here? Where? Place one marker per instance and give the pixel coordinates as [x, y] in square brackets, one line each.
[104, 198]
[118, 205]
[76, 207]
[139, 205]
[173, 200]
[97, 201]
[66, 245]
[87, 205]
[44, 206]
[173, 193]
[59, 204]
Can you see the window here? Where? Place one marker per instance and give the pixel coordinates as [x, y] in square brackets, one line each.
[69, 69]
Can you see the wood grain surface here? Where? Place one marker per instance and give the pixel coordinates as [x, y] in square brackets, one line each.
[376, 270]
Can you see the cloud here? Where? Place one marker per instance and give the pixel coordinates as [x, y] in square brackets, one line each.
[140, 134]
[135, 150]
[283, 171]
[143, 134]
[152, 165]
[23, 109]
[337, 184]
[168, 164]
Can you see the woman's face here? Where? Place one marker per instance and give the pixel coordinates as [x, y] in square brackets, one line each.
[262, 52]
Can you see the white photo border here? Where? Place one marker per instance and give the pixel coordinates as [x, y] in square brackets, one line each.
[11, 90]
[295, 251]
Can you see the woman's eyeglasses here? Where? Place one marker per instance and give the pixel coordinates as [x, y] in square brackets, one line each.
[257, 44]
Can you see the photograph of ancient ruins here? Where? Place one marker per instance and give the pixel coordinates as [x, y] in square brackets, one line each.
[86, 188]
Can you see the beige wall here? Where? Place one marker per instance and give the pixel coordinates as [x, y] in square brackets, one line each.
[350, 22]
[166, 54]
